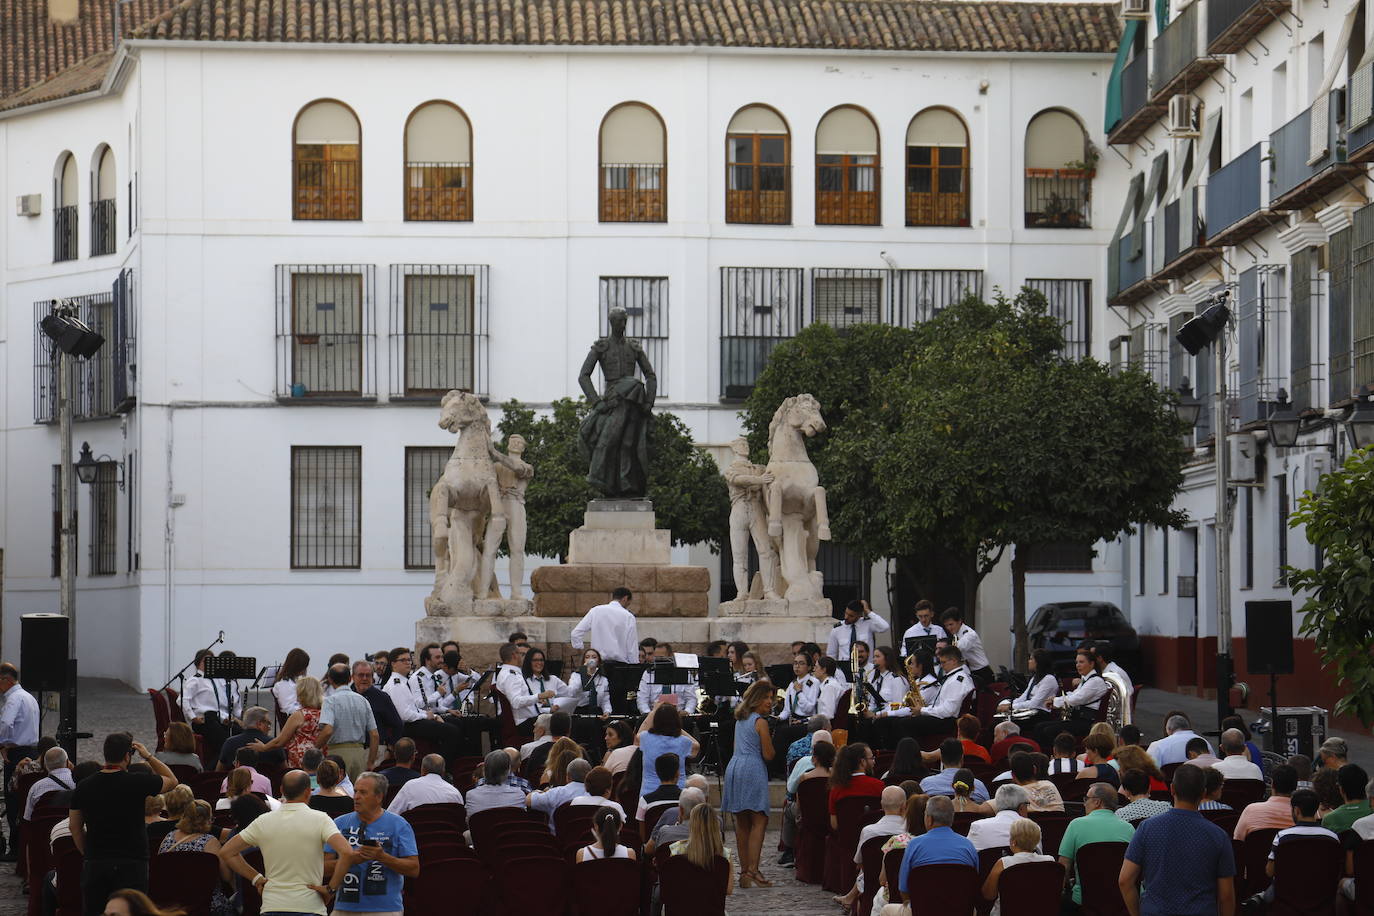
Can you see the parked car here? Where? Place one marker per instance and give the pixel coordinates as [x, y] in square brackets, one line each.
[1063, 626]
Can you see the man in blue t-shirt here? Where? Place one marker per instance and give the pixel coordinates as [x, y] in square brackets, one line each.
[1184, 860]
[939, 845]
[384, 851]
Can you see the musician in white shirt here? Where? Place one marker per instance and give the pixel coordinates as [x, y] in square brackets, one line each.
[208, 704]
[296, 664]
[831, 688]
[511, 683]
[860, 625]
[865, 665]
[969, 643]
[588, 687]
[545, 687]
[921, 675]
[1042, 687]
[1082, 703]
[925, 624]
[954, 684]
[649, 692]
[416, 702]
[612, 628]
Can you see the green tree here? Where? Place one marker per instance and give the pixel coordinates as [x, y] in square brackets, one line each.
[689, 495]
[1339, 611]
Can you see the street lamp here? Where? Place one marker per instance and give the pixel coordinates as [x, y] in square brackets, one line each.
[1187, 407]
[1360, 423]
[1284, 422]
[1209, 329]
[88, 466]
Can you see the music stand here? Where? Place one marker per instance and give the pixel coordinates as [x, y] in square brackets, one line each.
[624, 679]
[664, 672]
[780, 675]
[231, 667]
[553, 666]
[717, 680]
[916, 644]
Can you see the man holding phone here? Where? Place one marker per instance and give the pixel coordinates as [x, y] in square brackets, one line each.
[384, 852]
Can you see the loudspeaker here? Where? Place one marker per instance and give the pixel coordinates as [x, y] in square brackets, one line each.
[1269, 637]
[43, 652]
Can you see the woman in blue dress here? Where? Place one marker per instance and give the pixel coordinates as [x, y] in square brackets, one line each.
[746, 779]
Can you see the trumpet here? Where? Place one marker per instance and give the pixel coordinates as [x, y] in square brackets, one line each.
[856, 704]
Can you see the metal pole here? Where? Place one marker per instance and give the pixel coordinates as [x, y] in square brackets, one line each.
[1220, 426]
[66, 730]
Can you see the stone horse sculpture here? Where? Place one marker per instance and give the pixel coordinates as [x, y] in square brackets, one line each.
[797, 517]
[466, 516]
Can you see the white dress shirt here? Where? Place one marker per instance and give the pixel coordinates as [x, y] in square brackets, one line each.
[430, 789]
[1173, 749]
[649, 693]
[405, 698]
[207, 694]
[992, 832]
[614, 633]
[953, 687]
[600, 801]
[887, 825]
[920, 629]
[1088, 693]
[19, 719]
[580, 691]
[892, 687]
[929, 685]
[1037, 693]
[1237, 766]
[839, 645]
[56, 781]
[800, 700]
[528, 747]
[546, 681]
[549, 800]
[971, 645]
[284, 692]
[511, 682]
[428, 683]
[827, 703]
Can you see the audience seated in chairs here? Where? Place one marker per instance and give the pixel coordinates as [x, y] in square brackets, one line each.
[914, 824]
[606, 824]
[890, 824]
[179, 747]
[563, 752]
[1028, 771]
[705, 843]
[1098, 825]
[951, 761]
[1353, 783]
[1305, 826]
[670, 830]
[329, 797]
[1213, 785]
[964, 802]
[402, 772]
[1025, 840]
[1131, 757]
[1097, 751]
[906, 763]
[193, 834]
[431, 787]
[1274, 812]
[493, 791]
[938, 845]
[240, 783]
[1011, 804]
[575, 785]
[1135, 786]
[1005, 736]
[1064, 761]
[171, 805]
[129, 902]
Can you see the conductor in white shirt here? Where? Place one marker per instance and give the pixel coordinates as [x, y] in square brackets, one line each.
[613, 629]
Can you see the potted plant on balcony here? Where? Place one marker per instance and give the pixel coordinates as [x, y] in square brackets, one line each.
[1082, 168]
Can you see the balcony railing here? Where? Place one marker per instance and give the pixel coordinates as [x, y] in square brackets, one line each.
[1184, 236]
[759, 194]
[1058, 199]
[327, 189]
[439, 329]
[104, 383]
[633, 193]
[1137, 111]
[1360, 140]
[439, 191]
[1297, 177]
[1236, 199]
[1125, 272]
[1232, 23]
[64, 222]
[103, 225]
[1180, 62]
[760, 307]
[326, 331]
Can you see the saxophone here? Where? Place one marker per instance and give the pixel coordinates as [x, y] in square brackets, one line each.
[913, 696]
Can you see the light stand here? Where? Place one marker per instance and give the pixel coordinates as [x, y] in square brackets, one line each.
[1209, 329]
[71, 338]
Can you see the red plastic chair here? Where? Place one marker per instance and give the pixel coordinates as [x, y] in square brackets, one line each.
[963, 819]
[987, 858]
[252, 900]
[1031, 889]
[1307, 874]
[1052, 827]
[173, 705]
[162, 716]
[68, 862]
[443, 850]
[205, 786]
[872, 854]
[651, 815]
[510, 734]
[1097, 867]
[183, 879]
[449, 814]
[533, 885]
[1226, 820]
[608, 887]
[1254, 854]
[572, 824]
[813, 797]
[1364, 879]
[687, 890]
[850, 819]
[945, 890]
[892, 869]
[1241, 792]
[433, 890]
[485, 824]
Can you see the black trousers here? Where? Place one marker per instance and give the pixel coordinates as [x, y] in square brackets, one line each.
[786, 733]
[102, 877]
[590, 732]
[446, 735]
[215, 734]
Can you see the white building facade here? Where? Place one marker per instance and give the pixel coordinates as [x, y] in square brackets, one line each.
[294, 247]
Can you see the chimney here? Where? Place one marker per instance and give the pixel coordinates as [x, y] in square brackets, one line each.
[64, 12]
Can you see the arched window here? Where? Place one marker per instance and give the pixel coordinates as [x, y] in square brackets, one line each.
[847, 169]
[103, 193]
[64, 218]
[328, 163]
[1060, 165]
[438, 152]
[937, 177]
[634, 165]
[758, 167]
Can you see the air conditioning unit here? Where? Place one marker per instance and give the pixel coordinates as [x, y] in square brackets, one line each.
[1314, 465]
[29, 204]
[1135, 9]
[1244, 449]
[1182, 117]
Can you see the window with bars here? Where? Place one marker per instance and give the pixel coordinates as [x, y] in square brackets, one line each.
[1180, 362]
[327, 177]
[326, 507]
[103, 384]
[326, 335]
[758, 168]
[1147, 350]
[1259, 329]
[1361, 308]
[104, 524]
[1305, 304]
[438, 329]
[1060, 557]
[842, 297]
[424, 467]
[845, 297]
[1069, 302]
[634, 166]
[1281, 526]
[645, 301]
[759, 308]
[1164, 561]
[920, 295]
[1340, 296]
[438, 168]
[57, 522]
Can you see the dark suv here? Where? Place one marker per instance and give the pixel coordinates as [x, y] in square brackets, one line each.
[1062, 626]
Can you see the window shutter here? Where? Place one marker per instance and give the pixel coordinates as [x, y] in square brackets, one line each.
[1248, 325]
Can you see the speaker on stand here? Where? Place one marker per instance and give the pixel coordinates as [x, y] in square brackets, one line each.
[43, 655]
[1269, 650]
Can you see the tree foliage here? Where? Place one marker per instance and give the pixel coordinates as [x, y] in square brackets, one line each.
[969, 433]
[1339, 611]
[689, 495]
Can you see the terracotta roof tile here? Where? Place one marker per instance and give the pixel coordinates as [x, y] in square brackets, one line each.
[82, 77]
[885, 25]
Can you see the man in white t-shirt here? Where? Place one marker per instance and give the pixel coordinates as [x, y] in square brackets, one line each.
[290, 839]
[1235, 762]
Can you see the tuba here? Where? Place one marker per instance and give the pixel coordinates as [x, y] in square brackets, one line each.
[1118, 701]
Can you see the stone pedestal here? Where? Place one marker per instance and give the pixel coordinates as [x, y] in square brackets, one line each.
[771, 625]
[619, 531]
[480, 627]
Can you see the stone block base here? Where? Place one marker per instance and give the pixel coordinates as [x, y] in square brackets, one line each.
[659, 591]
[619, 545]
[482, 607]
[777, 607]
[480, 637]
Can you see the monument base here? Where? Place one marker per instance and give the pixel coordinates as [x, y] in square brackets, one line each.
[619, 531]
[480, 637]
[771, 625]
